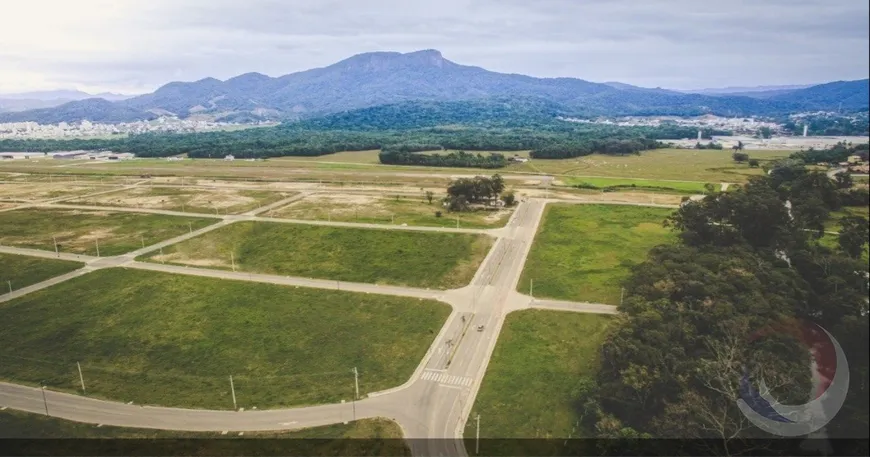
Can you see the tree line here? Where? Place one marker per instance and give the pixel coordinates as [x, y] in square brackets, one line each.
[550, 139]
[708, 316]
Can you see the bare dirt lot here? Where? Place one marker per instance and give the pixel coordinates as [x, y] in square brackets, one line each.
[36, 191]
[225, 200]
[383, 208]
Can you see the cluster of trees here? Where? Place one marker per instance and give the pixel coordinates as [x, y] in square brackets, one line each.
[710, 145]
[480, 189]
[592, 146]
[831, 125]
[834, 154]
[745, 266]
[398, 156]
[549, 138]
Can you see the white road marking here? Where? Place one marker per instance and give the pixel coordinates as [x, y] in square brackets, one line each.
[446, 379]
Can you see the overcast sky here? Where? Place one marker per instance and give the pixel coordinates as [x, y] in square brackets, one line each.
[134, 46]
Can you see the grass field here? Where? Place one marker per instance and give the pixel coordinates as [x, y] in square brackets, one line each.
[436, 260]
[690, 187]
[23, 271]
[676, 164]
[390, 209]
[174, 340]
[187, 199]
[583, 252]
[79, 231]
[542, 363]
[833, 225]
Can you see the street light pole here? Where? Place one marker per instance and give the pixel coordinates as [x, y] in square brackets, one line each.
[477, 439]
[56, 251]
[233, 390]
[44, 400]
[356, 382]
[98, 246]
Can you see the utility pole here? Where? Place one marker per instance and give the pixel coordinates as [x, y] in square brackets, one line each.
[142, 239]
[56, 251]
[161, 255]
[44, 400]
[10, 286]
[532, 288]
[621, 296]
[233, 390]
[233, 260]
[81, 377]
[98, 246]
[190, 227]
[477, 439]
[356, 382]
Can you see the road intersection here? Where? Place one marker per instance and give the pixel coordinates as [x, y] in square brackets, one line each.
[432, 407]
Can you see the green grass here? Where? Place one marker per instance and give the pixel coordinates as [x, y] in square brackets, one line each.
[434, 260]
[79, 231]
[174, 340]
[675, 164]
[187, 199]
[690, 187]
[389, 209]
[831, 240]
[584, 252]
[542, 362]
[23, 271]
[362, 437]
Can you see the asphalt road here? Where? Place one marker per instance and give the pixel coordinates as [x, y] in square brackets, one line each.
[434, 403]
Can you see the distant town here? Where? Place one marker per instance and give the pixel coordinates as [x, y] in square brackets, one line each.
[87, 129]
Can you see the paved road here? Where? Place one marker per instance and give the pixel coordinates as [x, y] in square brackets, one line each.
[434, 403]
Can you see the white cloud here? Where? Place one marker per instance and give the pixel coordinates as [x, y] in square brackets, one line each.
[137, 45]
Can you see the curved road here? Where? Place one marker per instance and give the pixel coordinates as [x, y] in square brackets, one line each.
[434, 403]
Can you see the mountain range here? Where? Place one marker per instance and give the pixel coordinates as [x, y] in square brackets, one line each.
[47, 99]
[383, 78]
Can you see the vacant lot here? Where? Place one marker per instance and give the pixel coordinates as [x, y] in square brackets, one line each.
[390, 209]
[23, 271]
[542, 364]
[36, 191]
[17, 424]
[437, 260]
[188, 199]
[583, 252]
[677, 164]
[689, 187]
[79, 231]
[174, 340]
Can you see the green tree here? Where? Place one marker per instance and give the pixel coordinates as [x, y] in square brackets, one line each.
[854, 233]
[843, 180]
[429, 196]
[508, 198]
[740, 157]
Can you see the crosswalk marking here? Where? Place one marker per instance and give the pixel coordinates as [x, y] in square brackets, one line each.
[444, 378]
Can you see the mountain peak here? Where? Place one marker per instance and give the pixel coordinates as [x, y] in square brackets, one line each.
[380, 60]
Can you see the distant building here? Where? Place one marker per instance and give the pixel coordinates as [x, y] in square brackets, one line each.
[854, 159]
[518, 159]
[229, 157]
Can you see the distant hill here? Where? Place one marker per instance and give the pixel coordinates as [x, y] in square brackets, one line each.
[846, 96]
[92, 109]
[388, 78]
[501, 112]
[46, 99]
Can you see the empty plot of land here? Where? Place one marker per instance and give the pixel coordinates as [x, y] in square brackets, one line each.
[675, 164]
[36, 191]
[542, 365]
[436, 260]
[80, 232]
[639, 184]
[174, 340]
[20, 271]
[584, 252]
[389, 209]
[188, 199]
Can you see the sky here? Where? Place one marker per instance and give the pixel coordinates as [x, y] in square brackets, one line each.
[135, 46]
